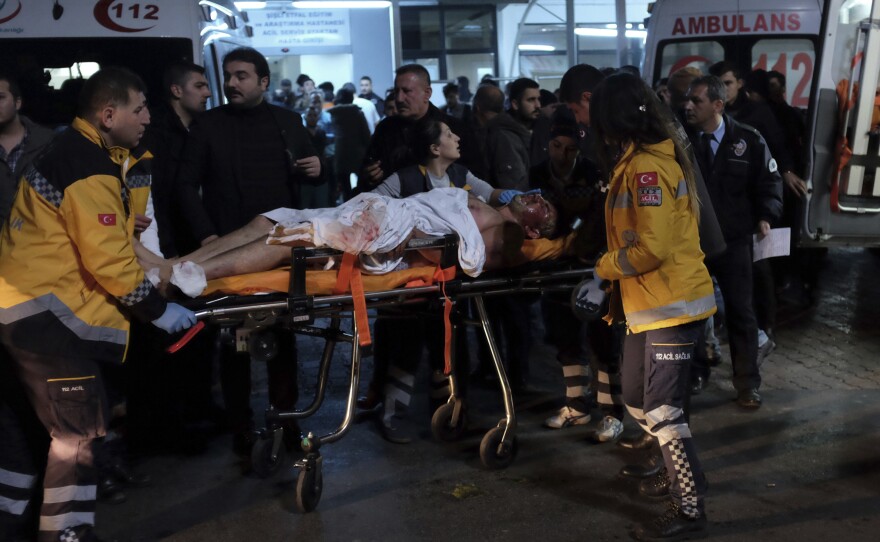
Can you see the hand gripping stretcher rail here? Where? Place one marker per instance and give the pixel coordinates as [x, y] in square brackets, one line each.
[297, 310]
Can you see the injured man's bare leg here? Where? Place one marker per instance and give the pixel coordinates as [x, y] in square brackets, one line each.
[256, 229]
[241, 251]
[253, 257]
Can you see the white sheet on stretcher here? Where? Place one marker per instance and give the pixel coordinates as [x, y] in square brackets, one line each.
[374, 224]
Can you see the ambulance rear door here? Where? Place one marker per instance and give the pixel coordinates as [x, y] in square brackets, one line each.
[843, 206]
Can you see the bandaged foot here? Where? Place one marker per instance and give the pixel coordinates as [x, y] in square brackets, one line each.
[189, 277]
[152, 275]
[160, 278]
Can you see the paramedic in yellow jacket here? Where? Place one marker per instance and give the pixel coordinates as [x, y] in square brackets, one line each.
[69, 284]
[659, 281]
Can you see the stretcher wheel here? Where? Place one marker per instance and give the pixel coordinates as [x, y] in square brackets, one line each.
[441, 424]
[493, 454]
[263, 462]
[309, 485]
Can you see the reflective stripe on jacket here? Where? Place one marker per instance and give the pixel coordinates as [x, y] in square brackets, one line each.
[69, 278]
[653, 242]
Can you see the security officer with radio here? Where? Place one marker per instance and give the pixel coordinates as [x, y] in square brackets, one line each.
[745, 187]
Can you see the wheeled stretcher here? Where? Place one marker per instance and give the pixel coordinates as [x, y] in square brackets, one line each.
[345, 294]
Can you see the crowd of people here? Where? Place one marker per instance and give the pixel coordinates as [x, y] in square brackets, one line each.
[661, 188]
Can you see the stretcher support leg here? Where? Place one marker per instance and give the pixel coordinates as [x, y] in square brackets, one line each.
[331, 335]
[499, 444]
[448, 422]
[311, 479]
[268, 453]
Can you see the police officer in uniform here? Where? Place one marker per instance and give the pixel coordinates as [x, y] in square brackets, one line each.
[746, 190]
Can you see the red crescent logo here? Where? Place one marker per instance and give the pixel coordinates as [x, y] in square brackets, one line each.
[648, 178]
[685, 61]
[102, 15]
[14, 13]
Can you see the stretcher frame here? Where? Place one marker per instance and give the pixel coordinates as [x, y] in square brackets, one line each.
[298, 310]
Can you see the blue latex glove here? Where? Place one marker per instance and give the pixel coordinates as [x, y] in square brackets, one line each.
[587, 299]
[175, 318]
[508, 195]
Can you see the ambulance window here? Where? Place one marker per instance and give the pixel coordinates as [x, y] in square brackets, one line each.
[79, 70]
[852, 14]
[793, 58]
[699, 54]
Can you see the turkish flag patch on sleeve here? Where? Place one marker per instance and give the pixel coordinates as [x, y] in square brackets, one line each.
[647, 179]
[107, 220]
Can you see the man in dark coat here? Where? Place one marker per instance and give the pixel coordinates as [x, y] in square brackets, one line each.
[247, 157]
[389, 149]
[20, 142]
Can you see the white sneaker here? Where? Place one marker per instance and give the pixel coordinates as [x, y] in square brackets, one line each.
[609, 429]
[565, 417]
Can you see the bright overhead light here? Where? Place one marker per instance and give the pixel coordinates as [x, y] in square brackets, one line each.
[250, 5]
[223, 9]
[542, 48]
[609, 33]
[342, 4]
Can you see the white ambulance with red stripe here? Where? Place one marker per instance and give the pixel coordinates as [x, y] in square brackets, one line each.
[53, 45]
[828, 50]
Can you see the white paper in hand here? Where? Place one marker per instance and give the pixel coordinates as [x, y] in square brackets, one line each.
[777, 243]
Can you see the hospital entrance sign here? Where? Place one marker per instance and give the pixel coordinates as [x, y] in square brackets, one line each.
[301, 28]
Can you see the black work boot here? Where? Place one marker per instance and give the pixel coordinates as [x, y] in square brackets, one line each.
[642, 442]
[672, 525]
[110, 490]
[646, 469]
[127, 476]
[657, 487]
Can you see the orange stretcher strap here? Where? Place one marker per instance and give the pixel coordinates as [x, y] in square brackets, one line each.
[441, 276]
[842, 151]
[343, 276]
[349, 279]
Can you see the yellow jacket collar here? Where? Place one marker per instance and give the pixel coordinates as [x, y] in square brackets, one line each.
[664, 148]
[118, 154]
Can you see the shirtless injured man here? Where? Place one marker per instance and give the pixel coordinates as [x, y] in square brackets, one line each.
[374, 227]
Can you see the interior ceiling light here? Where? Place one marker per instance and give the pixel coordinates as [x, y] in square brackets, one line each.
[542, 48]
[340, 4]
[609, 33]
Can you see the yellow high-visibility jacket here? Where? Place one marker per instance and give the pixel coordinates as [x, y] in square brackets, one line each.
[69, 279]
[653, 243]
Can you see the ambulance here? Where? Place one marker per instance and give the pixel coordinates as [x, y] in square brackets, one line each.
[829, 51]
[54, 45]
